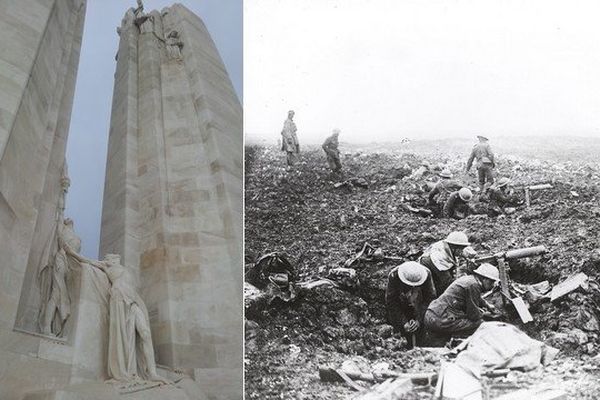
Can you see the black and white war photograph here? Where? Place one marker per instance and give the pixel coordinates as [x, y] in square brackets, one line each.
[422, 199]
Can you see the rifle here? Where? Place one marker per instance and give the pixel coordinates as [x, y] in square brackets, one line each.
[532, 188]
[503, 268]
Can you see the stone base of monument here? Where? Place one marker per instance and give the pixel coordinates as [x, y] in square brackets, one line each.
[185, 389]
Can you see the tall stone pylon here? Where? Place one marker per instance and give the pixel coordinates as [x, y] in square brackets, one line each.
[173, 192]
[39, 58]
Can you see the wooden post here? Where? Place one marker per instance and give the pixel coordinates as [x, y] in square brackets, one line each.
[527, 197]
[503, 270]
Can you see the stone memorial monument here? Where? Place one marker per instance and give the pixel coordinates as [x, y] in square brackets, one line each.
[173, 194]
[160, 316]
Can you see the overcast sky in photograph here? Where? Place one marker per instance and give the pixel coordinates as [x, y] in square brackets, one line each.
[382, 70]
[88, 137]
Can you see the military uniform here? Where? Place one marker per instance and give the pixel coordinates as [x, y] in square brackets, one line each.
[500, 198]
[458, 311]
[330, 146]
[289, 142]
[485, 163]
[440, 192]
[442, 264]
[456, 207]
[405, 303]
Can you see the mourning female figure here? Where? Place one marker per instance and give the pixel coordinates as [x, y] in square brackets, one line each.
[130, 350]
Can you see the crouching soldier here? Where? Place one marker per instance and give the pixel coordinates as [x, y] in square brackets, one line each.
[439, 193]
[457, 205]
[501, 198]
[409, 292]
[442, 259]
[460, 310]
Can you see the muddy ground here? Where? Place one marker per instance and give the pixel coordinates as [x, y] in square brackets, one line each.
[319, 226]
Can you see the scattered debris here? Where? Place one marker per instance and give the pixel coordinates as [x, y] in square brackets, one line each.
[300, 212]
[566, 287]
[391, 389]
[536, 394]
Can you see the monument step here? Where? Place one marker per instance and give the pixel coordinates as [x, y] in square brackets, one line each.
[186, 389]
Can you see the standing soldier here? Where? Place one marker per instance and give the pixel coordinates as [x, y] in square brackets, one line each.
[442, 259]
[485, 162]
[289, 142]
[330, 146]
[409, 291]
[442, 189]
[457, 205]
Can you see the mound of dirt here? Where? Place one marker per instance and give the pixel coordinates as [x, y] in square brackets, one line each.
[320, 225]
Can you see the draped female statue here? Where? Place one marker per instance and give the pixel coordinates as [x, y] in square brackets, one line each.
[130, 350]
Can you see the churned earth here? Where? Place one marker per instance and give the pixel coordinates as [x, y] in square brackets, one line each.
[319, 225]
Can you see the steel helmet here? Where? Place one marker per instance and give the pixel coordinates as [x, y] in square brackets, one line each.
[446, 173]
[503, 182]
[488, 271]
[458, 238]
[482, 137]
[412, 273]
[465, 194]
[336, 131]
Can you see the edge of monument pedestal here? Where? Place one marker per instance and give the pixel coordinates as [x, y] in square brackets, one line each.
[58, 340]
[183, 390]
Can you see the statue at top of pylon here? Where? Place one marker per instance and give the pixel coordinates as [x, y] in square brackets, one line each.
[139, 11]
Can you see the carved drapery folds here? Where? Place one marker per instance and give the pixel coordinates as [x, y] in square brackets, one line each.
[152, 23]
[53, 275]
[174, 46]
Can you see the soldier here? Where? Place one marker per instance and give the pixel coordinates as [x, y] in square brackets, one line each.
[501, 197]
[442, 259]
[409, 291]
[485, 162]
[457, 205]
[330, 146]
[289, 142]
[442, 189]
[459, 311]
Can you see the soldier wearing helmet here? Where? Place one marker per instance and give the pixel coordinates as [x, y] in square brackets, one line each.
[457, 206]
[330, 146]
[442, 259]
[409, 291]
[501, 198]
[439, 193]
[460, 310]
[485, 162]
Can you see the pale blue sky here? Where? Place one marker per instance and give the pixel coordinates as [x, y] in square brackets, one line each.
[88, 137]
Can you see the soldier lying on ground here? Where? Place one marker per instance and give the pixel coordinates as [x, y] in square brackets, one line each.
[501, 198]
[457, 206]
[460, 310]
[439, 194]
[442, 259]
[409, 291]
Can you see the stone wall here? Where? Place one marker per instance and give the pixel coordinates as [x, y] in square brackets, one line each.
[39, 55]
[173, 195]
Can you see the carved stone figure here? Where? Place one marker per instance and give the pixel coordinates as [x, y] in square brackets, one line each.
[174, 46]
[55, 302]
[139, 11]
[147, 24]
[130, 350]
